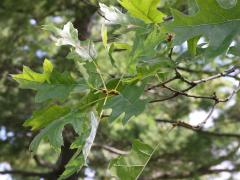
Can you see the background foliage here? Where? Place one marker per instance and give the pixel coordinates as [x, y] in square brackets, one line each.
[183, 151]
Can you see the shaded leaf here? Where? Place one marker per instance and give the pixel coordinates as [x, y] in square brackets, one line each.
[127, 102]
[73, 166]
[50, 84]
[234, 50]
[131, 166]
[80, 159]
[212, 21]
[53, 132]
[153, 67]
[90, 74]
[46, 115]
[117, 46]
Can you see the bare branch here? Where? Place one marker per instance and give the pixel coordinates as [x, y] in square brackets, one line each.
[208, 116]
[111, 149]
[162, 83]
[26, 173]
[225, 73]
[197, 129]
[176, 93]
[43, 163]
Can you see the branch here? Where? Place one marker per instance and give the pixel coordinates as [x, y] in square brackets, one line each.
[26, 174]
[196, 71]
[189, 95]
[162, 83]
[43, 163]
[173, 96]
[225, 73]
[197, 129]
[205, 169]
[111, 149]
[183, 93]
[200, 171]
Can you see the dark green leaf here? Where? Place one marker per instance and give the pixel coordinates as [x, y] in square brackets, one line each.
[212, 21]
[127, 102]
[234, 50]
[46, 115]
[53, 132]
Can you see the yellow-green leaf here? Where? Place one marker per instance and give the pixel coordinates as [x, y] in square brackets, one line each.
[104, 35]
[145, 10]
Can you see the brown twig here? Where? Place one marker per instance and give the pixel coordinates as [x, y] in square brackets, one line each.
[111, 149]
[197, 129]
[162, 83]
[26, 173]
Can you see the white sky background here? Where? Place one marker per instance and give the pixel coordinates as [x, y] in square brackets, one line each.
[5, 166]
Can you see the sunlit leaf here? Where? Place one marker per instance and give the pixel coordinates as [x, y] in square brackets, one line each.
[104, 35]
[144, 10]
[112, 15]
[50, 84]
[69, 36]
[28, 76]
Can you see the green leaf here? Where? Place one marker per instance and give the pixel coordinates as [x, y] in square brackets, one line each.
[127, 102]
[47, 67]
[46, 115]
[131, 166]
[212, 21]
[192, 7]
[104, 35]
[50, 84]
[80, 159]
[117, 46]
[192, 45]
[30, 76]
[53, 132]
[153, 67]
[69, 36]
[59, 87]
[73, 166]
[146, 44]
[227, 3]
[90, 74]
[144, 10]
[234, 50]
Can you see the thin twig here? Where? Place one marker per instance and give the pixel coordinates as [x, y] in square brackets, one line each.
[111, 149]
[198, 130]
[200, 125]
[225, 73]
[162, 83]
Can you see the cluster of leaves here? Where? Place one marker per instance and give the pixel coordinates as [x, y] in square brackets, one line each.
[149, 55]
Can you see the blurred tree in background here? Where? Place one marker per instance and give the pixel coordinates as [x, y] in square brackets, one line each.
[184, 152]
